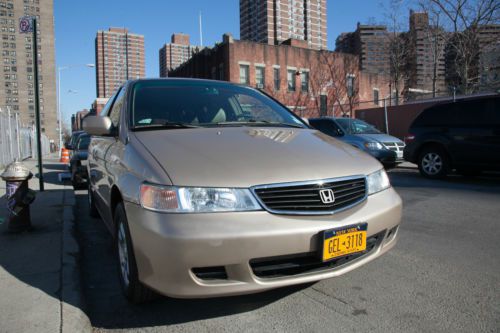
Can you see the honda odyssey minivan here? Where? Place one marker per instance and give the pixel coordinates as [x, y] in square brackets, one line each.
[214, 189]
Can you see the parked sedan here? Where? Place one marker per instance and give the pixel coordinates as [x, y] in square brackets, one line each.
[78, 161]
[385, 148]
[212, 189]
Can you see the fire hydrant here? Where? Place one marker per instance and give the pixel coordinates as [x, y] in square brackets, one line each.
[19, 196]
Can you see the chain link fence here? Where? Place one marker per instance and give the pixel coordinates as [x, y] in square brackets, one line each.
[18, 141]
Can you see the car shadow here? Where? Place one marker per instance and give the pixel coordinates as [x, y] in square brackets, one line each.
[108, 308]
[411, 178]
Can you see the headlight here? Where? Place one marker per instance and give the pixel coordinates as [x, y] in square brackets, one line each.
[174, 199]
[377, 181]
[373, 145]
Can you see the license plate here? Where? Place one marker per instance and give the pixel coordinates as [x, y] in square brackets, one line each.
[399, 154]
[344, 241]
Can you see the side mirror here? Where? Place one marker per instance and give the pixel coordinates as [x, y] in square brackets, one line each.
[97, 125]
[340, 132]
[68, 146]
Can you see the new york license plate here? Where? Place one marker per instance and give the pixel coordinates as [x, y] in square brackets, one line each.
[344, 241]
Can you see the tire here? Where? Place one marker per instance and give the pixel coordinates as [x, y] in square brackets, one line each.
[433, 163]
[132, 288]
[92, 207]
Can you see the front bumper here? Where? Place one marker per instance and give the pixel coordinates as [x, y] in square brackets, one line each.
[168, 247]
[384, 156]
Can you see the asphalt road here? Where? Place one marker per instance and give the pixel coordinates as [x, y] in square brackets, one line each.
[444, 275]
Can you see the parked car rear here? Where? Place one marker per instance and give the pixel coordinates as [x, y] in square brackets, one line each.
[462, 135]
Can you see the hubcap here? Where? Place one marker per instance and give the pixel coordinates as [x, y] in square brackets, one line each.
[432, 163]
[123, 254]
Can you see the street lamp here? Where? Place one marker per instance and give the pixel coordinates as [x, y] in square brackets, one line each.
[59, 70]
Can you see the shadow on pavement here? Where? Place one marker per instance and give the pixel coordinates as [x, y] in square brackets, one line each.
[30, 262]
[406, 178]
[108, 308]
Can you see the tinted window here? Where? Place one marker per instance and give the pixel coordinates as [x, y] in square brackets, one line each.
[203, 104]
[83, 143]
[438, 115]
[326, 126]
[355, 126]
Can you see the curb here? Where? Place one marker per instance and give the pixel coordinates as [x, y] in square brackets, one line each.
[73, 317]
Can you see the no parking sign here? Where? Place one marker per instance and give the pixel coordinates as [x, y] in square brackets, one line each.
[25, 24]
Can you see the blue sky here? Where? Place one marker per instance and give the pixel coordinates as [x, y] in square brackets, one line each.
[76, 24]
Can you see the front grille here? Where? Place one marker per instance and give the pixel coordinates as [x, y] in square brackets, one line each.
[394, 146]
[304, 198]
[301, 263]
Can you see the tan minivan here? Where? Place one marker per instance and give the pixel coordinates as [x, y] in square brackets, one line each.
[214, 189]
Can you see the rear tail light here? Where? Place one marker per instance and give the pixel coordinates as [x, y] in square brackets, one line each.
[409, 138]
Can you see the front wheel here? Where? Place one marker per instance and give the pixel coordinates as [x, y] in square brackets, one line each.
[133, 289]
[433, 163]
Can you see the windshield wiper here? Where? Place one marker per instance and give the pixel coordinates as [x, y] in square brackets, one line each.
[165, 125]
[252, 122]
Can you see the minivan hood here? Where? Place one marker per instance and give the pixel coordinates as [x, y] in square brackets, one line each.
[248, 156]
[379, 137]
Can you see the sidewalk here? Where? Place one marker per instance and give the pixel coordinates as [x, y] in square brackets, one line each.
[39, 277]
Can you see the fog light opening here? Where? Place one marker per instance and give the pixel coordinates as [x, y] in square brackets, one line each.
[391, 234]
[210, 273]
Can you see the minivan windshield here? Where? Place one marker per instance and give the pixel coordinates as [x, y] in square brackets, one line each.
[187, 104]
[355, 126]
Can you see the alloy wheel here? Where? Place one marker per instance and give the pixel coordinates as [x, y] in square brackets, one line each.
[432, 163]
[123, 254]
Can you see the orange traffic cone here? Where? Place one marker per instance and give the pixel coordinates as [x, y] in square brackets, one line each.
[64, 156]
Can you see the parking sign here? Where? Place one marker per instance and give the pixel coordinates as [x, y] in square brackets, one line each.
[25, 24]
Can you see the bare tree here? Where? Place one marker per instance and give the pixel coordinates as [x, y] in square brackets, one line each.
[397, 44]
[464, 19]
[343, 86]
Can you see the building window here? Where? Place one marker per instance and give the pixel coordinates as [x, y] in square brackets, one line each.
[375, 96]
[260, 74]
[291, 79]
[244, 71]
[304, 81]
[277, 81]
[350, 85]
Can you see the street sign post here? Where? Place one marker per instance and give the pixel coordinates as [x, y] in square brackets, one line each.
[27, 24]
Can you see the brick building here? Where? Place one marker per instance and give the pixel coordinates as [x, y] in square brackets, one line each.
[119, 56]
[175, 53]
[275, 21]
[292, 73]
[17, 82]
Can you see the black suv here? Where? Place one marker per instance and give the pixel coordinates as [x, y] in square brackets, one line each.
[462, 135]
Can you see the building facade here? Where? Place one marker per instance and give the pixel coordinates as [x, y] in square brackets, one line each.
[175, 53]
[119, 56]
[425, 56]
[17, 91]
[371, 44]
[292, 73]
[274, 21]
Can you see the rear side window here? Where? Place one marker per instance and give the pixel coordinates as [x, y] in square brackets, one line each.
[326, 126]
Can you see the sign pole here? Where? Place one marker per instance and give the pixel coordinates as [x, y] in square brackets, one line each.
[37, 106]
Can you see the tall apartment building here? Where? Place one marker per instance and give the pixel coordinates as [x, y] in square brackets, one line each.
[274, 21]
[119, 56]
[426, 55]
[371, 44]
[17, 82]
[175, 53]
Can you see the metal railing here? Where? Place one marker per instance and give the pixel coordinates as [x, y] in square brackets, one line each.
[18, 141]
